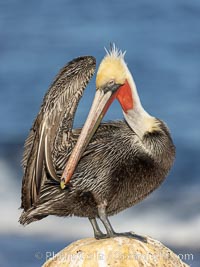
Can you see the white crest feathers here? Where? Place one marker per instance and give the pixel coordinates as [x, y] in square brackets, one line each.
[115, 52]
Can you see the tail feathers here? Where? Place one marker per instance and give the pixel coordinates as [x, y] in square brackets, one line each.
[29, 217]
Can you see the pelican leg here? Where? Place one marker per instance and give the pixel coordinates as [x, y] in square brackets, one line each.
[103, 217]
[97, 232]
[110, 232]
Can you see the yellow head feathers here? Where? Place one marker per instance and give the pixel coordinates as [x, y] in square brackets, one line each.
[112, 67]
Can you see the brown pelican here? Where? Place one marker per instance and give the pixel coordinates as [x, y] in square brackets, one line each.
[103, 169]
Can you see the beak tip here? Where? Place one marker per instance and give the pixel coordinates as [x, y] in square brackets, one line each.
[62, 184]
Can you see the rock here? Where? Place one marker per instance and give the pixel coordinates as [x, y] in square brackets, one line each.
[115, 252]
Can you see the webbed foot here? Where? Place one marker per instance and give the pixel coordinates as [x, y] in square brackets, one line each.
[101, 236]
[130, 235]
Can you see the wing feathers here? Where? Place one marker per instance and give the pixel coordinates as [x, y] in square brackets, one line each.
[40, 158]
[48, 160]
[54, 120]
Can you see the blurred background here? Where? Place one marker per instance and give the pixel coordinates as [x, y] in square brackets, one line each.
[162, 40]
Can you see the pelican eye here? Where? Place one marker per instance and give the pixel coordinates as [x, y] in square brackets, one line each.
[111, 86]
[111, 83]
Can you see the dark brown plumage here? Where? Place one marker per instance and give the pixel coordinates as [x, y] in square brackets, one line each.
[118, 168]
[53, 125]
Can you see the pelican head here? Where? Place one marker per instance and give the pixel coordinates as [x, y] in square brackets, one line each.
[112, 69]
[113, 80]
[113, 75]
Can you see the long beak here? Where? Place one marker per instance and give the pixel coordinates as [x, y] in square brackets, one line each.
[101, 103]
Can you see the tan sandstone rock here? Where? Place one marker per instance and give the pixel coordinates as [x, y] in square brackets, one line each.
[115, 252]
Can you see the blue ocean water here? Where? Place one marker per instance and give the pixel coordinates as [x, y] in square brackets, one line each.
[162, 41]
